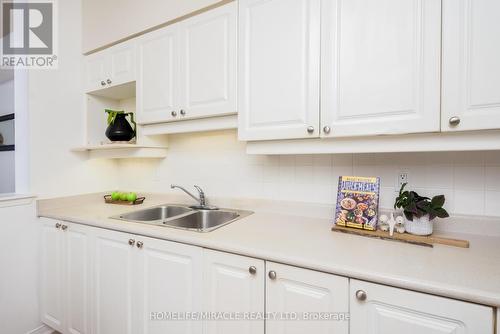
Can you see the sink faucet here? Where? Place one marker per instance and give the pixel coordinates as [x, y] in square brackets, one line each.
[201, 199]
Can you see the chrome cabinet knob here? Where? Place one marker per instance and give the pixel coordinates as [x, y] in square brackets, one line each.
[326, 129]
[310, 129]
[183, 112]
[173, 113]
[103, 83]
[139, 244]
[454, 121]
[272, 275]
[361, 295]
[109, 81]
[252, 270]
[58, 225]
[64, 227]
[131, 242]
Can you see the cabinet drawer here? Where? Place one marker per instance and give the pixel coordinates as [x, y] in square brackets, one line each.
[381, 309]
[306, 294]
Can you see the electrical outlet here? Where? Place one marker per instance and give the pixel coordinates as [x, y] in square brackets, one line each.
[402, 179]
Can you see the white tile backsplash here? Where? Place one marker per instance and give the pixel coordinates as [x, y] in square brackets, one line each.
[218, 162]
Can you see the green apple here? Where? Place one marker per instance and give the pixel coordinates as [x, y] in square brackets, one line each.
[123, 196]
[131, 197]
[115, 196]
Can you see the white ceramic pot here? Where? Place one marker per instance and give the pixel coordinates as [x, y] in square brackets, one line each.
[419, 226]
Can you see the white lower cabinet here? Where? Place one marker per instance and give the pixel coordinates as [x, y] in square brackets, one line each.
[498, 321]
[107, 282]
[167, 281]
[112, 290]
[65, 276]
[233, 285]
[378, 309]
[51, 301]
[305, 294]
[145, 285]
[77, 273]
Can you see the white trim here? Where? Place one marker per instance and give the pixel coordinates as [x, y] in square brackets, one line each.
[43, 329]
[423, 142]
[125, 153]
[15, 200]
[193, 125]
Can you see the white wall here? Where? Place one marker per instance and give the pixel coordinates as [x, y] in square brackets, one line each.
[7, 172]
[56, 118]
[217, 162]
[7, 159]
[106, 22]
[19, 263]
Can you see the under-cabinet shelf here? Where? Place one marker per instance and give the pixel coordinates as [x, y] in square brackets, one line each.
[123, 151]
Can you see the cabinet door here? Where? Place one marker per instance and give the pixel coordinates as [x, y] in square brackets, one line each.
[498, 320]
[112, 290]
[388, 310]
[233, 283]
[122, 60]
[167, 280]
[96, 66]
[380, 67]
[51, 294]
[306, 294]
[208, 63]
[158, 73]
[471, 70]
[77, 264]
[279, 64]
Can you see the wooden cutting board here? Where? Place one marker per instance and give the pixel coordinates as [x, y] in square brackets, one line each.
[428, 241]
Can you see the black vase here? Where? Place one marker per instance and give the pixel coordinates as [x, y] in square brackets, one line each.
[120, 129]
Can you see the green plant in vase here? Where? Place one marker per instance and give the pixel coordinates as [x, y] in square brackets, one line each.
[119, 128]
[419, 211]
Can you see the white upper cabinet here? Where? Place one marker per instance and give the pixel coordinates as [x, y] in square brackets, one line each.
[188, 70]
[279, 69]
[208, 63]
[306, 293]
[233, 283]
[95, 71]
[158, 75]
[471, 66]
[378, 309]
[111, 67]
[122, 66]
[380, 67]
[167, 278]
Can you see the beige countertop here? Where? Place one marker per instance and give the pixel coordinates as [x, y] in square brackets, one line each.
[468, 274]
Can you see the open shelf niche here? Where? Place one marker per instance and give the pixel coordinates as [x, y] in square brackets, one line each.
[97, 145]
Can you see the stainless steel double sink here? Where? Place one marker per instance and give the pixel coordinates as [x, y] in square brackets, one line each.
[184, 217]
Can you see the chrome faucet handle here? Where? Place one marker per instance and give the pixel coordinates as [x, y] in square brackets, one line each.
[202, 204]
[201, 193]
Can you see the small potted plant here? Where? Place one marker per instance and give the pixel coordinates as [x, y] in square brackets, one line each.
[419, 211]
